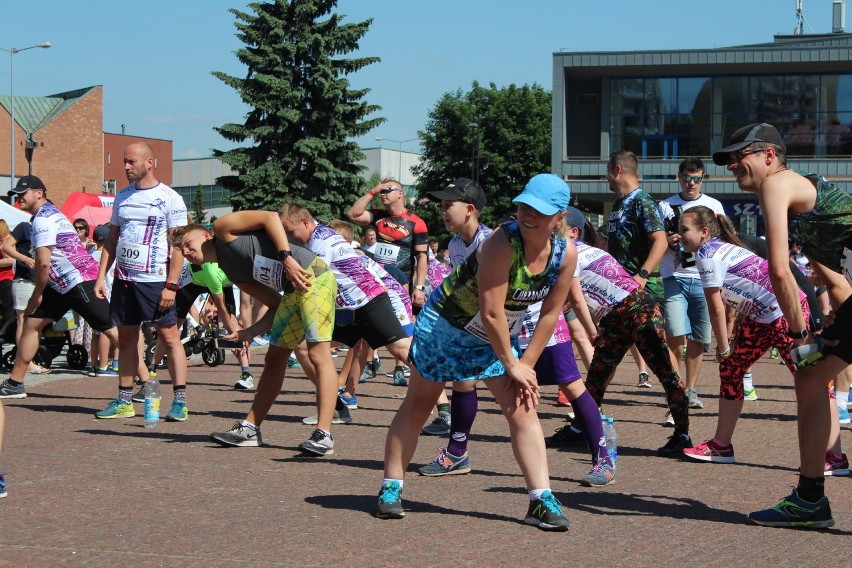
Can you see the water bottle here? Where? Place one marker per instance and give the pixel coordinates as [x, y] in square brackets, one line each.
[609, 436]
[807, 355]
[152, 402]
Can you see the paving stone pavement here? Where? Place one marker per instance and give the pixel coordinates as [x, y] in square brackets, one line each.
[87, 492]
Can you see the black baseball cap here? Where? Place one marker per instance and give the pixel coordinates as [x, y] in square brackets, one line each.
[101, 232]
[747, 135]
[574, 218]
[27, 183]
[462, 189]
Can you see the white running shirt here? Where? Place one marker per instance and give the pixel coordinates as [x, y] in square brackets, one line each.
[145, 217]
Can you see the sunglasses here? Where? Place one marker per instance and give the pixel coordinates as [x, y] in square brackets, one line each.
[696, 179]
[388, 190]
[80, 228]
[735, 157]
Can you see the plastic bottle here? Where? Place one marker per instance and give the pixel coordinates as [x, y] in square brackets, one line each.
[152, 402]
[609, 436]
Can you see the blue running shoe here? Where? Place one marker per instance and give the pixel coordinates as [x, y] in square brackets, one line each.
[108, 372]
[795, 512]
[117, 408]
[2, 486]
[178, 412]
[602, 474]
[351, 402]
[293, 363]
[546, 513]
[447, 464]
[390, 503]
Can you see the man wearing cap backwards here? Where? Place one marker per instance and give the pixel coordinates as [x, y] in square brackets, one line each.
[63, 263]
[756, 155]
[461, 204]
[468, 331]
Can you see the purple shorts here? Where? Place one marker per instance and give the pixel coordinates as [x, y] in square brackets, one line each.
[557, 365]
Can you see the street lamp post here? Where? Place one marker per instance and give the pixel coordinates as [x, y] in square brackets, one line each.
[12, 51]
[400, 142]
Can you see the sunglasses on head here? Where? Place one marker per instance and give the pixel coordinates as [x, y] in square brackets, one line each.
[696, 179]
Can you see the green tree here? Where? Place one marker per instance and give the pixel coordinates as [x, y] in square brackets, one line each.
[199, 215]
[514, 144]
[303, 109]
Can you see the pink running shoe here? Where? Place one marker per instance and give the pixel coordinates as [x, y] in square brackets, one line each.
[836, 465]
[710, 451]
[562, 400]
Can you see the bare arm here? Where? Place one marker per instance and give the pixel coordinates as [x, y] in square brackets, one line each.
[9, 250]
[107, 258]
[775, 201]
[42, 271]
[659, 246]
[718, 321]
[359, 212]
[581, 309]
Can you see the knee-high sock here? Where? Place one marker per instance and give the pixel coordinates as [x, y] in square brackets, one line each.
[590, 419]
[463, 407]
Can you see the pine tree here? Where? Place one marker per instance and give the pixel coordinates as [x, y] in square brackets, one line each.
[303, 109]
[199, 215]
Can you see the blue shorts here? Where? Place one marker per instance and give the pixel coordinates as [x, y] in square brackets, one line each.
[133, 303]
[444, 353]
[685, 309]
[556, 365]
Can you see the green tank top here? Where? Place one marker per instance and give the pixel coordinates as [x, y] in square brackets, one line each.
[824, 233]
[457, 299]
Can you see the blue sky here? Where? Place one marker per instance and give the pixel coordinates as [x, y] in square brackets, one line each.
[154, 57]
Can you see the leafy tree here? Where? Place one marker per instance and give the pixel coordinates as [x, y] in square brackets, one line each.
[199, 215]
[514, 144]
[303, 109]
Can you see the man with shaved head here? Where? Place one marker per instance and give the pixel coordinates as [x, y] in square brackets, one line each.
[147, 274]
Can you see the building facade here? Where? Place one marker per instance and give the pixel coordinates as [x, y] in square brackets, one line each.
[667, 105]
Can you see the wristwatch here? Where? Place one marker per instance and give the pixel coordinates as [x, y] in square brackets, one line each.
[172, 286]
[421, 287]
[283, 254]
[798, 334]
[643, 273]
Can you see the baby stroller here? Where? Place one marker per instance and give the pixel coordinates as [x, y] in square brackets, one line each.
[53, 339]
[200, 339]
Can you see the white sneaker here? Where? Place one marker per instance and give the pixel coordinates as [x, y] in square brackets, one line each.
[239, 436]
[245, 382]
[669, 420]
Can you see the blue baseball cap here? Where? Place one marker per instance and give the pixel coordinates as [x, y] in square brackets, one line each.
[546, 193]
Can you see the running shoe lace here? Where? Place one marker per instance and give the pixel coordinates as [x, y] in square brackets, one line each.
[552, 503]
[390, 493]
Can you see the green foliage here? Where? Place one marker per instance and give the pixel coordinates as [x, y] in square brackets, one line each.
[303, 109]
[514, 145]
[199, 215]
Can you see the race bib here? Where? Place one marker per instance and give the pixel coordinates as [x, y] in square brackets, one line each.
[385, 253]
[515, 320]
[132, 256]
[269, 272]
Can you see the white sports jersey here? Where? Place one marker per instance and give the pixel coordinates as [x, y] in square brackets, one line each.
[684, 266]
[459, 251]
[742, 277]
[145, 218]
[70, 262]
[356, 285]
[604, 281]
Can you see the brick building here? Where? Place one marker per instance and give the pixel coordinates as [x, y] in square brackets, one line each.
[71, 152]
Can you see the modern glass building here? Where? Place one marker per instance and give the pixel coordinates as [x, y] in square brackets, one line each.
[667, 105]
